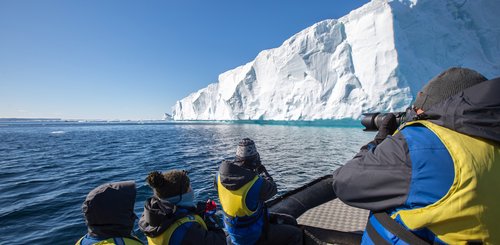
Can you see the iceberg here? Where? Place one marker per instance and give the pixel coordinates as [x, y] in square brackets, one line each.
[376, 58]
[167, 117]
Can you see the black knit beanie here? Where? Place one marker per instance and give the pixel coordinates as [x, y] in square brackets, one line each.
[246, 152]
[445, 85]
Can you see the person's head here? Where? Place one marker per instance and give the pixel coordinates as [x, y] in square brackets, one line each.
[444, 86]
[109, 210]
[169, 184]
[246, 154]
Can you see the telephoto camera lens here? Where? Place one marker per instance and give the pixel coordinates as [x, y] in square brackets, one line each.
[372, 121]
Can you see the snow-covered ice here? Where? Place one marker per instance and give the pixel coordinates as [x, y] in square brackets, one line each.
[376, 58]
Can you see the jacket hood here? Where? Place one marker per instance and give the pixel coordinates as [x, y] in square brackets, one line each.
[109, 210]
[233, 176]
[157, 217]
[475, 111]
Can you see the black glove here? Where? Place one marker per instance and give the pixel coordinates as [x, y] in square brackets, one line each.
[388, 127]
[260, 169]
[200, 208]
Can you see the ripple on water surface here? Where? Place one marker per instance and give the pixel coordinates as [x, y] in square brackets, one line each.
[47, 170]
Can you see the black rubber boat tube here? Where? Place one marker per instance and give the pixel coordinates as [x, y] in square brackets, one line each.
[298, 201]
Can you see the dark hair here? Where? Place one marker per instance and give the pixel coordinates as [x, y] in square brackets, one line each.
[168, 184]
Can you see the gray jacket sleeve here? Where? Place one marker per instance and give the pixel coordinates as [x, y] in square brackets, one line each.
[376, 179]
[268, 188]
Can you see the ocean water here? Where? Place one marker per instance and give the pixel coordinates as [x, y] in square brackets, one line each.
[47, 169]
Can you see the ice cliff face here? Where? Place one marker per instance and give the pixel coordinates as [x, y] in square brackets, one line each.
[376, 58]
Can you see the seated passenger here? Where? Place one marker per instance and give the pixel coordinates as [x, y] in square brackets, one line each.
[109, 215]
[243, 186]
[171, 216]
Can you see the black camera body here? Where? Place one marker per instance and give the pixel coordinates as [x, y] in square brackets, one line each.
[372, 121]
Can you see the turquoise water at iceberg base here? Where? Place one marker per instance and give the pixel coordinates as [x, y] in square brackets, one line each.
[47, 169]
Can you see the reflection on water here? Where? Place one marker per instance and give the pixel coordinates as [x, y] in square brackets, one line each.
[47, 170]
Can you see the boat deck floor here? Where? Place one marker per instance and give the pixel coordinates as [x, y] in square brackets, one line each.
[335, 215]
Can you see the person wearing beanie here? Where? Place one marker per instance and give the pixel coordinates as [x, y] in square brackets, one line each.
[435, 179]
[243, 186]
[171, 217]
[109, 214]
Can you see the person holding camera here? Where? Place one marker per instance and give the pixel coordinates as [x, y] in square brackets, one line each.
[435, 180]
[171, 216]
[243, 186]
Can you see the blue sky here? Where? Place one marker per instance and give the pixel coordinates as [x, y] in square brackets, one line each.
[133, 59]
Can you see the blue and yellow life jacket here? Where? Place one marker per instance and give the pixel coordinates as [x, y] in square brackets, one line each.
[176, 232]
[453, 196]
[243, 223]
[85, 240]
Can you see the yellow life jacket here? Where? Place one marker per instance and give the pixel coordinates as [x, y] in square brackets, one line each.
[165, 237]
[470, 210]
[233, 202]
[115, 241]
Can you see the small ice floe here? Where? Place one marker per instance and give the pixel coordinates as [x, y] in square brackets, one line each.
[57, 132]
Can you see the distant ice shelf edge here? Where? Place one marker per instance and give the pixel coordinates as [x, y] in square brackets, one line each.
[346, 122]
[376, 58]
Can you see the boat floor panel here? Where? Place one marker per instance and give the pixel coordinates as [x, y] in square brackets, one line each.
[335, 215]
